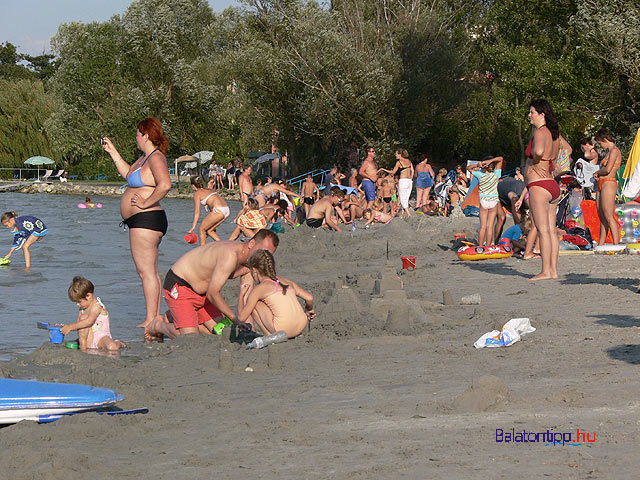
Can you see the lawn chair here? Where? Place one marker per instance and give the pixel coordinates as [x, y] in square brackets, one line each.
[57, 176]
[46, 175]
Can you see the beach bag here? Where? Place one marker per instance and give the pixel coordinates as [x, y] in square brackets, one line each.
[578, 236]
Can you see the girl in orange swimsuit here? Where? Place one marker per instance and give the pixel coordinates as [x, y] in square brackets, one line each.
[608, 187]
[212, 203]
[273, 304]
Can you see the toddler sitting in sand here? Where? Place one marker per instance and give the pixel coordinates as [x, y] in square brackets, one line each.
[93, 323]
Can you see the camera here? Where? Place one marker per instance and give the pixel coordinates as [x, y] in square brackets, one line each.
[102, 141]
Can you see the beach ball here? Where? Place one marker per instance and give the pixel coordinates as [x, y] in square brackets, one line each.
[191, 238]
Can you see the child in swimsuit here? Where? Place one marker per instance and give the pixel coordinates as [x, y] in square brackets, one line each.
[26, 231]
[371, 215]
[272, 304]
[93, 324]
[249, 220]
[488, 179]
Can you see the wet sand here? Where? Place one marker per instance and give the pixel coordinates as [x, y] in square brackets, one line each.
[386, 384]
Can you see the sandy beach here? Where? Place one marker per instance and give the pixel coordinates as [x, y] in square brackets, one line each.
[385, 384]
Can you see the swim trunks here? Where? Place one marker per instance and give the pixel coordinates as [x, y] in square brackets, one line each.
[315, 222]
[309, 200]
[188, 308]
[386, 199]
[152, 220]
[369, 190]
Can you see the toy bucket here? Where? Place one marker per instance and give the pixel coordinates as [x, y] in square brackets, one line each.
[408, 262]
[191, 238]
[55, 336]
[456, 236]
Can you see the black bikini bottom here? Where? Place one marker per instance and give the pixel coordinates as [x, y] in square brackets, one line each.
[152, 220]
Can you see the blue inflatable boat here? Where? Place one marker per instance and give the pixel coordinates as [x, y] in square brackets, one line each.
[39, 401]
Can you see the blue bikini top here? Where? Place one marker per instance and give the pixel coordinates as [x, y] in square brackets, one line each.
[134, 179]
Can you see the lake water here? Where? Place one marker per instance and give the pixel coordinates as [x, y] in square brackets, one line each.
[85, 242]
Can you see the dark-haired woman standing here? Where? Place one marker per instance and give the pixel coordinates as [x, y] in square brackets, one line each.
[608, 186]
[148, 182]
[544, 191]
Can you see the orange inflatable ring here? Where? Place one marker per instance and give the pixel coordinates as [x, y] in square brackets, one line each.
[474, 253]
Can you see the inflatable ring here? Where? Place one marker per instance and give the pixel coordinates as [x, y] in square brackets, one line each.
[474, 253]
[633, 249]
[89, 205]
[609, 249]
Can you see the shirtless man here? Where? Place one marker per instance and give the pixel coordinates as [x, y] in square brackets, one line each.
[369, 173]
[321, 212]
[265, 192]
[246, 185]
[193, 284]
[509, 192]
[310, 194]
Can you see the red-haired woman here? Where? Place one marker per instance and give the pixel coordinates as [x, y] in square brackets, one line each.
[148, 182]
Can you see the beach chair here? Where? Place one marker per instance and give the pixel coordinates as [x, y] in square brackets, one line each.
[46, 175]
[57, 176]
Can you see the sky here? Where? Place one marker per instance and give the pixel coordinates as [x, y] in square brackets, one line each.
[29, 24]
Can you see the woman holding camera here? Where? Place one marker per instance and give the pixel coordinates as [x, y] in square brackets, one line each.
[148, 182]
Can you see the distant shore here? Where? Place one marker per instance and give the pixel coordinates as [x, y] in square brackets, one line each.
[108, 190]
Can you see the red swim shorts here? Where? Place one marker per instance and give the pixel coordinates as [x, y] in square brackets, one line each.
[189, 309]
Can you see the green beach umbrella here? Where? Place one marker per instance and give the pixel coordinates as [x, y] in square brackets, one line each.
[38, 160]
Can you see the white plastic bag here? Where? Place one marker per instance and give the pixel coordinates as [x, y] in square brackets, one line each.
[510, 334]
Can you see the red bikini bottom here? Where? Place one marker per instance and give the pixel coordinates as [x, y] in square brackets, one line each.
[549, 185]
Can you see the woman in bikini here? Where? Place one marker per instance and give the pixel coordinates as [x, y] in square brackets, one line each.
[212, 203]
[148, 182]
[608, 186]
[544, 191]
[273, 304]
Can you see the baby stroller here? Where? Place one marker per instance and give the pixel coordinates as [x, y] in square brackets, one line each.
[441, 190]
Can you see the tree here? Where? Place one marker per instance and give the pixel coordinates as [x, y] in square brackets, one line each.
[24, 109]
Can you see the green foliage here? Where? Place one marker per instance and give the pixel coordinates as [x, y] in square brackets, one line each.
[24, 108]
[450, 78]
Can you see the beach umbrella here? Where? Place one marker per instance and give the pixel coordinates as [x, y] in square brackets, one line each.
[255, 154]
[204, 156]
[38, 160]
[265, 158]
[631, 175]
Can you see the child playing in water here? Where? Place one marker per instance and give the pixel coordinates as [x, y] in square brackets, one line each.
[93, 323]
[26, 231]
[272, 303]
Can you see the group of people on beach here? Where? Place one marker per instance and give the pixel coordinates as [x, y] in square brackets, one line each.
[192, 288]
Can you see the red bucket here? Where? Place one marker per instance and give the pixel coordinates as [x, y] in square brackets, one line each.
[191, 238]
[408, 262]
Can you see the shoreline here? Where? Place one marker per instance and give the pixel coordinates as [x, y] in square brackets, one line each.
[110, 190]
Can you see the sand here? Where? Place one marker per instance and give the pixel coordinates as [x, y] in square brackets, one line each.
[385, 384]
